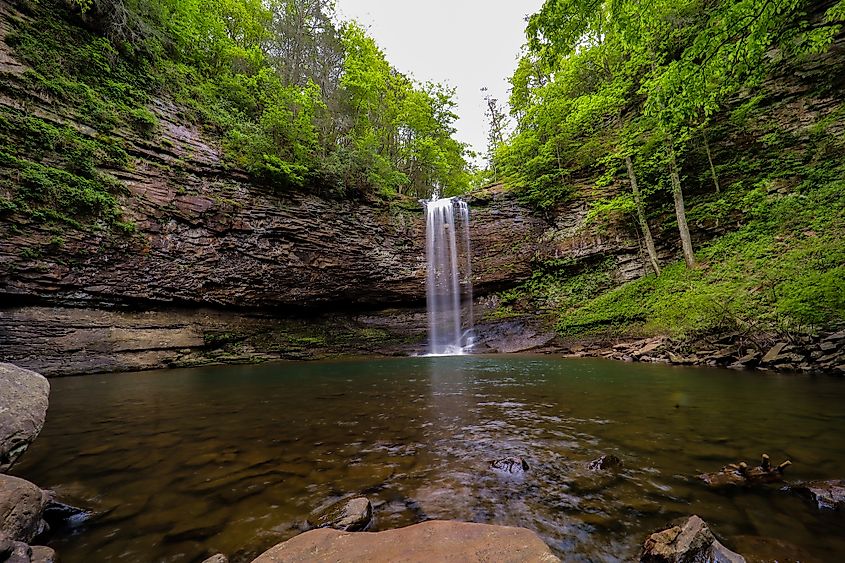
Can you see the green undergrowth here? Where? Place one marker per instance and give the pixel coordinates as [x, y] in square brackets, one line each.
[85, 72]
[782, 271]
[55, 174]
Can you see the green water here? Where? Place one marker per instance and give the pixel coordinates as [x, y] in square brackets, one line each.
[181, 464]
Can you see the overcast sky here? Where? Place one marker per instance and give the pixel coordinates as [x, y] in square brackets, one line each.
[467, 44]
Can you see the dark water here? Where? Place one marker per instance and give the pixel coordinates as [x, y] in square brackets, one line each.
[185, 463]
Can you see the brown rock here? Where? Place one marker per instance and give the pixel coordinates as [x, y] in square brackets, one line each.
[43, 554]
[749, 360]
[688, 541]
[435, 540]
[23, 407]
[829, 346]
[21, 507]
[350, 515]
[773, 352]
[828, 495]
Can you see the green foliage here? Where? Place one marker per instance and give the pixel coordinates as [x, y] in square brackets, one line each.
[782, 270]
[298, 101]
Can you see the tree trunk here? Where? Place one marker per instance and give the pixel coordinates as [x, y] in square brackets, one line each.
[638, 201]
[710, 160]
[680, 210]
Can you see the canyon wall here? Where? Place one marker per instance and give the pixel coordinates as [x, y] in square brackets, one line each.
[218, 268]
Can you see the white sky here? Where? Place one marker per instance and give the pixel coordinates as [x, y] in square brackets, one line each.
[467, 44]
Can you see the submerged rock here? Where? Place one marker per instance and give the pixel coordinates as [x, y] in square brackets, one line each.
[511, 465]
[217, 558]
[739, 474]
[435, 540]
[689, 540]
[828, 495]
[605, 463]
[23, 407]
[349, 515]
[21, 508]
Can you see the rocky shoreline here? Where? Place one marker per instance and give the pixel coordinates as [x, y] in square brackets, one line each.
[823, 353]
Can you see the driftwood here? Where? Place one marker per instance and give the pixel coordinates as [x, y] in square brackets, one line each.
[740, 475]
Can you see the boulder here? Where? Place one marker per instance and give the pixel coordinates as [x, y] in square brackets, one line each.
[349, 515]
[689, 540]
[217, 558]
[21, 507]
[435, 540]
[23, 407]
[828, 495]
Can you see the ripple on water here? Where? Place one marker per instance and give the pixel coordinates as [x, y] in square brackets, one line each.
[233, 459]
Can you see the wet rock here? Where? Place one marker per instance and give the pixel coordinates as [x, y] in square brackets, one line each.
[435, 540]
[689, 540]
[23, 407]
[349, 515]
[218, 558]
[43, 554]
[59, 515]
[739, 474]
[21, 507]
[828, 495]
[608, 462]
[510, 465]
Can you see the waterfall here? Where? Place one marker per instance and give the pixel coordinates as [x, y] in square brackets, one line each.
[449, 279]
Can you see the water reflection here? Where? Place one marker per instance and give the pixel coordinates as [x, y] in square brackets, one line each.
[189, 462]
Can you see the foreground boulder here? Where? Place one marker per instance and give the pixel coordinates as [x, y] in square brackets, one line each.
[435, 540]
[688, 541]
[350, 515]
[21, 509]
[23, 407]
[828, 495]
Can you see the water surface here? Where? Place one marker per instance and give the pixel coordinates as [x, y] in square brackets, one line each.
[185, 463]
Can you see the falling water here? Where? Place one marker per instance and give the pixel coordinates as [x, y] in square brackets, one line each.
[449, 281]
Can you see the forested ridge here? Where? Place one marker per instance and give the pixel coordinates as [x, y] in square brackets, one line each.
[711, 127]
[298, 99]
